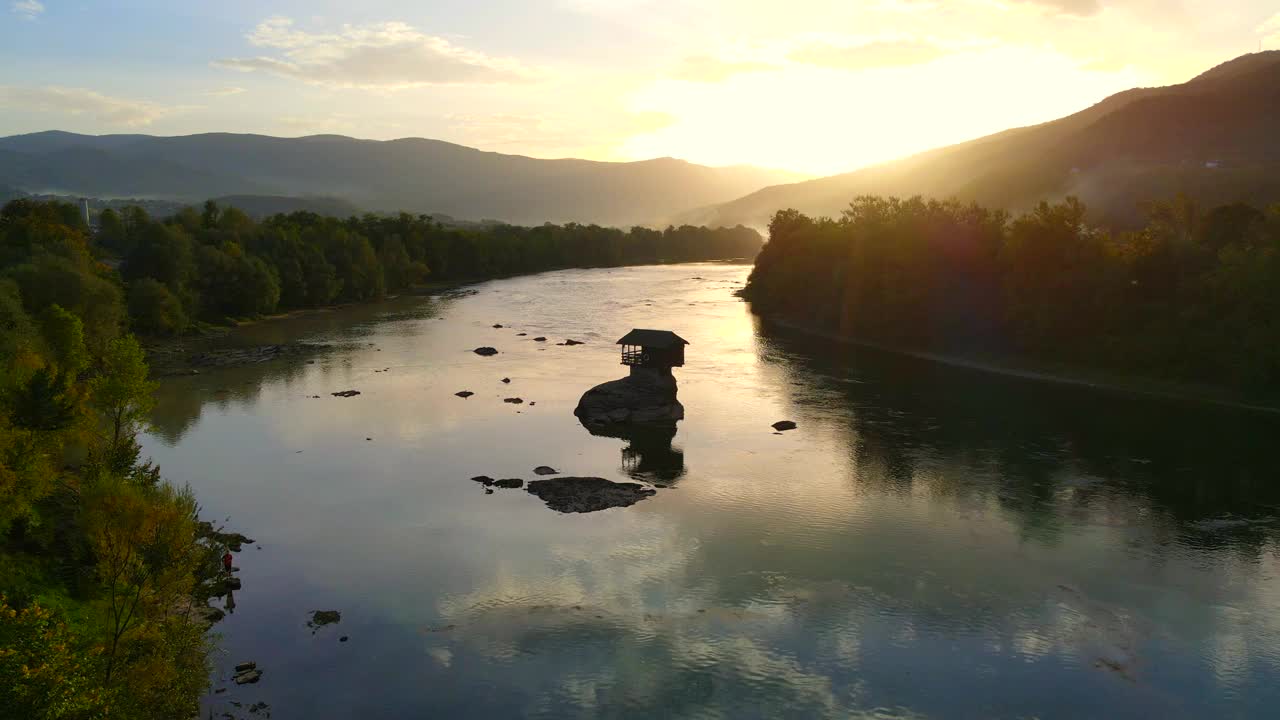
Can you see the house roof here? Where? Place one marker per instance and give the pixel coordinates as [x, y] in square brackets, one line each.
[652, 338]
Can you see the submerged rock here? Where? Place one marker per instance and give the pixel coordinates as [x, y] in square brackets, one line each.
[485, 351]
[587, 494]
[645, 397]
[320, 618]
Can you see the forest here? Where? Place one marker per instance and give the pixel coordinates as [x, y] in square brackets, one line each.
[219, 264]
[104, 565]
[102, 562]
[1191, 297]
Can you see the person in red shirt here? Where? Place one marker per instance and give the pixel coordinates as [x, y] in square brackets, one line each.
[226, 561]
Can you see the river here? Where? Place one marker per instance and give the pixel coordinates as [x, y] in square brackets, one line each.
[930, 542]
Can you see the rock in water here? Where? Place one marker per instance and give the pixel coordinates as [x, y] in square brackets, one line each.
[464, 394]
[485, 351]
[346, 393]
[587, 494]
[251, 676]
[540, 339]
[320, 618]
[509, 483]
[784, 425]
[571, 343]
[545, 470]
[645, 397]
[514, 401]
[245, 666]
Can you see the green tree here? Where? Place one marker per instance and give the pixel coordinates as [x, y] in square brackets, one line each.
[122, 393]
[155, 310]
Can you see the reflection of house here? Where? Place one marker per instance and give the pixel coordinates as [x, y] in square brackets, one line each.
[656, 349]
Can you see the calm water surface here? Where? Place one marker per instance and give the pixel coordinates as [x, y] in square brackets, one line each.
[930, 542]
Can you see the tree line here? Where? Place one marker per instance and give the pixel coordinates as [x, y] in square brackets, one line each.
[219, 263]
[1194, 296]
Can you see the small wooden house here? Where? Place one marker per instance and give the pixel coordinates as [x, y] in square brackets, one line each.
[656, 349]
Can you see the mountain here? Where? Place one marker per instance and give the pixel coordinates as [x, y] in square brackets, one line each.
[1214, 138]
[410, 174]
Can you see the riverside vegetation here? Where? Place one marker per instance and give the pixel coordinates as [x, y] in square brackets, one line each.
[220, 264]
[1192, 297]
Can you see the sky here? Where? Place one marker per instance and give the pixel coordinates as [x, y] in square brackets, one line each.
[813, 86]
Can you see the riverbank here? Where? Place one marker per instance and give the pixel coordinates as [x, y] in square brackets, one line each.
[1078, 377]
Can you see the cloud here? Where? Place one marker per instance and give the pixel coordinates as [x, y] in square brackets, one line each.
[707, 69]
[225, 91]
[27, 9]
[1270, 30]
[878, 54]
[384, 56]
[80, 101]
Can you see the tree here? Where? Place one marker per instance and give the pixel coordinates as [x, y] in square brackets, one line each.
[121, 392]
[146, 543]
[155, 310]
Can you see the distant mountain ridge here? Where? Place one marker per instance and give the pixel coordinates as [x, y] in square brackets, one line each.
[1215, 137]
[412, 174]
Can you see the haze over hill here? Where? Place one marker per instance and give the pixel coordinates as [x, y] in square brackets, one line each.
[411, 174]
[1214, 138]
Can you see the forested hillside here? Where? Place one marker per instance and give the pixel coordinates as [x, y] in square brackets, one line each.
[1193, 296]
[103, 564]
[415, 175]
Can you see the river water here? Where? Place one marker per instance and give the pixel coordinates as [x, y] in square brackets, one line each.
[930, 542]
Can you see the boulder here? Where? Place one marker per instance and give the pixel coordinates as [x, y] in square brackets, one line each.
[242, 667]
[506, 381]
[251, 676]
[497, 326]
[540, 339]
[483, 479]
[784, 425]
[587, 494]
[514, 400]
[509, 483]
[464, 394]
[545, 470]
[521, 334]
[485, 351]
[232, 583]
[646, 397]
